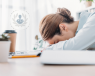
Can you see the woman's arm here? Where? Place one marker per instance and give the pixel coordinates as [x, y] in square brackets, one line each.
[84, 38]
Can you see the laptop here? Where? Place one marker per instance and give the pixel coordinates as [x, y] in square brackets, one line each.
[67, 57]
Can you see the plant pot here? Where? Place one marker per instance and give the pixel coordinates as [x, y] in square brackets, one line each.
[88, 4]
[4, 50]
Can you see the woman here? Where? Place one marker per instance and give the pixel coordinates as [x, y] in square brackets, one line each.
[61, 28]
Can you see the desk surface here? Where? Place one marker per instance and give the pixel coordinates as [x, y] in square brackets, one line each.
[33, 67]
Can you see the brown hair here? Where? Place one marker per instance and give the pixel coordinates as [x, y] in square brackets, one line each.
[49, 25]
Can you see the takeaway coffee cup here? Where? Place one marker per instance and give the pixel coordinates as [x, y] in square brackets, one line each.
[12, 35]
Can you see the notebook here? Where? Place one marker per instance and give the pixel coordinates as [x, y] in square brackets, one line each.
[19, 53]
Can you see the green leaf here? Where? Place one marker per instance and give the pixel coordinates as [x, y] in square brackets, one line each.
[35, 48]
[86, 0]
[40, 41]
[80, 0]
[41, 45]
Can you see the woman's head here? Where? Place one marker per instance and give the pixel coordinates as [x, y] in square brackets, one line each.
[55, 27]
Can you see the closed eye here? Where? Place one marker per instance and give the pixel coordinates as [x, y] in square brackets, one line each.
[56, 42]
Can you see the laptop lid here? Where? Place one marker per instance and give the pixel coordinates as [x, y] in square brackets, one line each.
[67, 57]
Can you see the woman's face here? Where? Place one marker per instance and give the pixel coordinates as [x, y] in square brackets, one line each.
[57, 38]
[65, 35]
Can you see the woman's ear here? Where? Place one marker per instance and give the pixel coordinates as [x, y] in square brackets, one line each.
[63, 27]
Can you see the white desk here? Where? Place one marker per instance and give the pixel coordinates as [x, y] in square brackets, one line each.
[33, 67]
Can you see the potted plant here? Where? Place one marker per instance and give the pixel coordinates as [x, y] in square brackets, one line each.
[88, 3]
[4, 47]
[39, 43]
